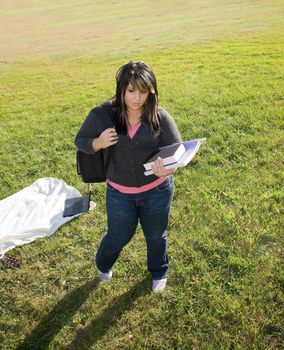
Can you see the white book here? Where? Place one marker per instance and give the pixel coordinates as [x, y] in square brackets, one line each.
[191, 148]
[169, 154]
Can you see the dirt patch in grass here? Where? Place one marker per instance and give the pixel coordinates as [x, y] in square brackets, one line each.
[43, 28]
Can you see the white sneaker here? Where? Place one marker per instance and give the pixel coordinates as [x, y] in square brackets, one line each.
[159, 285]
[105, 277]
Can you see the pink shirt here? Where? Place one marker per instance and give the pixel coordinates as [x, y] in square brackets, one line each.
[132, 129]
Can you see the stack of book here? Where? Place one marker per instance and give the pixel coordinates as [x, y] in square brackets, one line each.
[175, 156]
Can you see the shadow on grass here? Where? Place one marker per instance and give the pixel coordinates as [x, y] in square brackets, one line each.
[59, 316]
[99, 326]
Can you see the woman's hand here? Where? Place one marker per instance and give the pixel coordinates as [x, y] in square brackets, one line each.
[106, 139]
[159, 169]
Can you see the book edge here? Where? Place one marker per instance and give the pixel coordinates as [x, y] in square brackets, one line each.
[179, 164]
[169, 159]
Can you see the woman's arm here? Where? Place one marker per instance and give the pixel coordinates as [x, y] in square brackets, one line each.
[169, 131]
[169, 135]
[96, 132]
[86, 134]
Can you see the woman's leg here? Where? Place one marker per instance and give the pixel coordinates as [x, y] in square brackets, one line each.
[154, 216]
[122, 219]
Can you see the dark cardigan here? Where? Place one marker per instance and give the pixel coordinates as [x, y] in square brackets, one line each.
[126, 165]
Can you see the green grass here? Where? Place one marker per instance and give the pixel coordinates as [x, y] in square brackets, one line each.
[225, 234]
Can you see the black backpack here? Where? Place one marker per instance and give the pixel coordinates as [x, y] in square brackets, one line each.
[93, 167]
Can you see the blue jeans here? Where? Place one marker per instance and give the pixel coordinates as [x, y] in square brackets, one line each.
[124, 211]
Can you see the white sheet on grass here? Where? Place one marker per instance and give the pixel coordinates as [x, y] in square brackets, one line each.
[35, 211]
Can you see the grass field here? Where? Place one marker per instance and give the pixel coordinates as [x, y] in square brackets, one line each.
[219, 67]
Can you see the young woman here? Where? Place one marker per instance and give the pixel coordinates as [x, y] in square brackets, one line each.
[135, 126]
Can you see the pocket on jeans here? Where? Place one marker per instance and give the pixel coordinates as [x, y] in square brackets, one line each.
[168, 183]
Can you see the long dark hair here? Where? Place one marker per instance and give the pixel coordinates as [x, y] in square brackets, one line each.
[141, 77]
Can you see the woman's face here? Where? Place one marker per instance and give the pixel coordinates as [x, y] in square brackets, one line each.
[134, 98]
